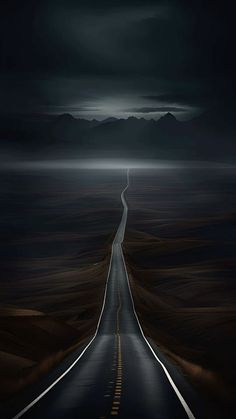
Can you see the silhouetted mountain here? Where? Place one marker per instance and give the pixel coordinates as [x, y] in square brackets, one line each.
[208, 136]
[167, 120]
[110, 119]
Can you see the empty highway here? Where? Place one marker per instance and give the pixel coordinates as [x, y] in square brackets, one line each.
[117, 373]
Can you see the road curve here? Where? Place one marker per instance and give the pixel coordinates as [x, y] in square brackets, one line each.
[117, 373]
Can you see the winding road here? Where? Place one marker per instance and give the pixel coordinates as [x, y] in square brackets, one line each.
[118, 373]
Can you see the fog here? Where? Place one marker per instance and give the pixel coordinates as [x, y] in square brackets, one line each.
[109, 164]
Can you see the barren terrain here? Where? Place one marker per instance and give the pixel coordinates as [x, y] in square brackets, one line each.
[56, 235]
[180, 251]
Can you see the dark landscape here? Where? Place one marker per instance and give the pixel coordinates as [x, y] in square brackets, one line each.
[180, 251]
[56, 235]
[118, 209]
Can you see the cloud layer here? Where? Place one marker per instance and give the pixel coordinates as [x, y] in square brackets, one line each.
[155, 55]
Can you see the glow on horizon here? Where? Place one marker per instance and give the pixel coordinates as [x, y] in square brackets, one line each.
[110, 164]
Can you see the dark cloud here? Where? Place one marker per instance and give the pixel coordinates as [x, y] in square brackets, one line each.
[188, 98]
[70, 53]
[158, 109]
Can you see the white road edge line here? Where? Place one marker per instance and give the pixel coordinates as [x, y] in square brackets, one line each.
[30, 405]
[175, 388]
[172, 383]
[180, 397]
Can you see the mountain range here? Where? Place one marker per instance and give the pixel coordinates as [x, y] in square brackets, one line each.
[210, 136]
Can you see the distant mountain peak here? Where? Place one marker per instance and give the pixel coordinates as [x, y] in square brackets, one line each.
[169, 116]
[131, 118]
[65, 117]
[167, 120]
[109, 119]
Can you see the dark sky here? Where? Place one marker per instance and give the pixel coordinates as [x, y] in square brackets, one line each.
[116, 58]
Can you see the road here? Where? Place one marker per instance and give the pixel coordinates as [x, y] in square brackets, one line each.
[117, 373]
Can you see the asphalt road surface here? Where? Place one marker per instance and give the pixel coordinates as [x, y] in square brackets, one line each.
[117, 373]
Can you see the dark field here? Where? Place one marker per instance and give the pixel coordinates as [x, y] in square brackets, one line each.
[56, 233]
[180, 251]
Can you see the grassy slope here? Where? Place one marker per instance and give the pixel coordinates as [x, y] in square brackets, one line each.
[58, 230]
[182, 271]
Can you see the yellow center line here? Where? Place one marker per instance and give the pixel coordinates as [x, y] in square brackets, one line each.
[118, 381]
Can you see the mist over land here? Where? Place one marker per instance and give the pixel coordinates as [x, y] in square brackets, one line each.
[209, 136]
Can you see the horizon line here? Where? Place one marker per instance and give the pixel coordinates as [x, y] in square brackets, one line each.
[56, 115]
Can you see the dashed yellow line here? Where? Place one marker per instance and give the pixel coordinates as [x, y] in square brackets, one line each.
[118, 382]
[117, 365]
